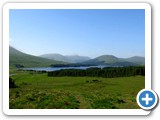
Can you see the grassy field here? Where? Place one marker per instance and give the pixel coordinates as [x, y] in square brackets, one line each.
[38, 91]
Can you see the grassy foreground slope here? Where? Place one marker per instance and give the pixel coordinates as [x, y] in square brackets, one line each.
[40, 91]
[20, 59]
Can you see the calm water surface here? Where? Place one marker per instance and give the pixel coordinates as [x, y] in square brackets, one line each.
[60, 68]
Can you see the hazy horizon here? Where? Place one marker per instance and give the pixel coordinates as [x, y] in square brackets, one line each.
[83, 32]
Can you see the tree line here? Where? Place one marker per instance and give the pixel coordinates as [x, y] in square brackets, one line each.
[107, 72]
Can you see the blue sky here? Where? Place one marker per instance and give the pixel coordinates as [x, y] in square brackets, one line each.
[79, 32]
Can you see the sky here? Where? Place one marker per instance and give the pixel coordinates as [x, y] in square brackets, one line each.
[85, 32]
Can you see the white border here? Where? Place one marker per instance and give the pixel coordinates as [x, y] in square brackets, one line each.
[8, 6]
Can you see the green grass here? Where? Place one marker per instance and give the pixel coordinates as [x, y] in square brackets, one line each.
[42, 92]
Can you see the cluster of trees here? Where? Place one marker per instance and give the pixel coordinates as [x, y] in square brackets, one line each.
[18, 66]
[12, 83]
[107, 72]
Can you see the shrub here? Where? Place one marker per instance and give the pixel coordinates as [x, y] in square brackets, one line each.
[12, 83]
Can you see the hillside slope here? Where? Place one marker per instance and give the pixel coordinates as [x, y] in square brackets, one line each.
[136, 59]
[20, 59]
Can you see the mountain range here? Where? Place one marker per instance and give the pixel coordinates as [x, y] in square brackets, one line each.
[20, 59]
[115, 61]
[69, 59]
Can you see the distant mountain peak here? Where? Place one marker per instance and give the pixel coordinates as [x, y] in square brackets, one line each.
[66, 58]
